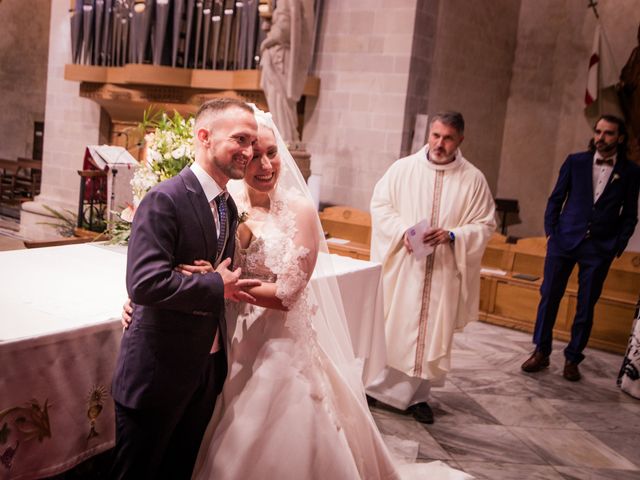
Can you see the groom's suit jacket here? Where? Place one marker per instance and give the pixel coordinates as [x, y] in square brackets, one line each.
[572, 215]
[175, 316]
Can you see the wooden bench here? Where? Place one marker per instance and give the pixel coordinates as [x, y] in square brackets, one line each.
[348, 231]
[19, 180]
[28, 178]
[513, 302]
[8, 170]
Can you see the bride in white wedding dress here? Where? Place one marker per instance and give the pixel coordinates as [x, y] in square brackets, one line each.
[292, 406]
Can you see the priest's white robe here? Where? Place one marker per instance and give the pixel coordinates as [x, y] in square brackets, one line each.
[426, 300]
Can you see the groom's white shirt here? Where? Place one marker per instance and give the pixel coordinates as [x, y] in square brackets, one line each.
[211, 190]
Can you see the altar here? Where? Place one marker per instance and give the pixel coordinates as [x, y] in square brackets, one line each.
[59, 338]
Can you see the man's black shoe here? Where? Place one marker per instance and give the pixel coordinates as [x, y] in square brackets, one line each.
[421, 412]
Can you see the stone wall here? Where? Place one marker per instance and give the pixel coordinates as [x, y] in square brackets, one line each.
[381, 65]
[71, 123]
[474, 51]
[24, 39]
[420, 70]
[354, 129]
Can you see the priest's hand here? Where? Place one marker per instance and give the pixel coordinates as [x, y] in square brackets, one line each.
[437, 236]
[405, 242]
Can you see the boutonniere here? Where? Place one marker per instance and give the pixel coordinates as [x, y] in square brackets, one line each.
[244, 216]
[616, 176]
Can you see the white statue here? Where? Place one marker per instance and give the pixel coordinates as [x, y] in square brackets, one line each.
[285, 58]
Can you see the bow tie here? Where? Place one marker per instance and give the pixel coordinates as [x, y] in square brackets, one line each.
[604, 161]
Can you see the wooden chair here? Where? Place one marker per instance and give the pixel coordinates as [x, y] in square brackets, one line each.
[497, 254]
[28, 178]
[348, 223]
[342, 223]
[7, 179]
[528, 256]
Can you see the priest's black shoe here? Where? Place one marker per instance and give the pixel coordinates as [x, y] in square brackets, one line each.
[421, 412]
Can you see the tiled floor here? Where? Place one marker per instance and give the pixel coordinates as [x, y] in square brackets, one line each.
[495, 422]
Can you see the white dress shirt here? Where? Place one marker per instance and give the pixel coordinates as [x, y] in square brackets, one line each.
[211, 190]
[601, 174]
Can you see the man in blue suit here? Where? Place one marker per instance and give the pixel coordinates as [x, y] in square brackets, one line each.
[590, 216]
[172, 362]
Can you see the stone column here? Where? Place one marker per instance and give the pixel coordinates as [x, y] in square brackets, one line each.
[71, 123]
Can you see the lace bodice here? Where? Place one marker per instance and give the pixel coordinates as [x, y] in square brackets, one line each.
[252, 262]
[273, 256]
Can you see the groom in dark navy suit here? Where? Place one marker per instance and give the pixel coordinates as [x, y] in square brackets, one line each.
[172, 362]
[590, 216]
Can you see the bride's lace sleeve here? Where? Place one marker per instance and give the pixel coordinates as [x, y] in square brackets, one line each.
[294, 256]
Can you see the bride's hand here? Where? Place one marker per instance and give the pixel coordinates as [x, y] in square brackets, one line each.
[199, 266]
[236, 289]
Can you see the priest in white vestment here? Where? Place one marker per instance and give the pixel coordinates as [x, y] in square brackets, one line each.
[426, 300]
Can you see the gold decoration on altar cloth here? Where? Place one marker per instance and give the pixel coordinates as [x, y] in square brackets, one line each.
[30, 421]
[23, 423]
[95, 405]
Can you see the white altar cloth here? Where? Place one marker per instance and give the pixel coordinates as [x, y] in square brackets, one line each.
[57, 289]
[361, 290]
[59, 337]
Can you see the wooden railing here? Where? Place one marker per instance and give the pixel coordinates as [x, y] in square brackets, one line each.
[510, 284]
[511, 278]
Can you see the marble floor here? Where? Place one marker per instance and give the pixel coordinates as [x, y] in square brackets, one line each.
[496, 422]
[9, 233]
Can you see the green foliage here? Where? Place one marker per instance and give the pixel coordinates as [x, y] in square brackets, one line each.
[119, 231]
[66, 224]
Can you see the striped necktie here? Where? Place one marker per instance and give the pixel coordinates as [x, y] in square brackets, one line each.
[221, 204]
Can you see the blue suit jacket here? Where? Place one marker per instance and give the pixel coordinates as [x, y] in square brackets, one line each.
[175, 317]
[571, 214]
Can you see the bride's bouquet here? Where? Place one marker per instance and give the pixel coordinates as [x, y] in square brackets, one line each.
[169, 148]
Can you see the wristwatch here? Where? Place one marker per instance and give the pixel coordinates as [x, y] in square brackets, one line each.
[452, 236]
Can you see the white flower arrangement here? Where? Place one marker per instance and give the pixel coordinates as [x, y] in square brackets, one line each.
[169, 148]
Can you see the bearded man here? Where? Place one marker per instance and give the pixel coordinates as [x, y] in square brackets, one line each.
[590, 216]
[427, 298]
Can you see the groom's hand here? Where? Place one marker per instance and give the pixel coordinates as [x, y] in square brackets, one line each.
[127, 312]
[234, 287]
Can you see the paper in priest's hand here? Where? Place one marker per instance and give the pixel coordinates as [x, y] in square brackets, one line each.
[415, 235]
